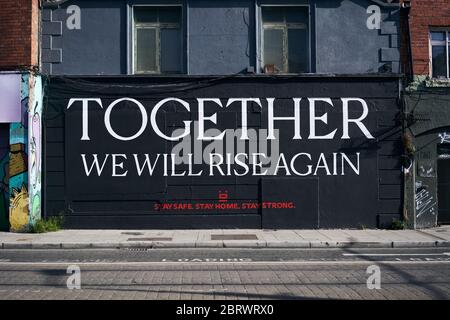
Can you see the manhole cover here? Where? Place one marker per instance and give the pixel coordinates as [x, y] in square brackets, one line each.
[150, 239]
[133, 233]
[234, 237]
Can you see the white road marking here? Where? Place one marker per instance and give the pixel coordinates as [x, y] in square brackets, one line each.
[394, 254]
[158, 263]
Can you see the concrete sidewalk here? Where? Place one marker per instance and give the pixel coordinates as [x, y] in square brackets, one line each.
[78, 239]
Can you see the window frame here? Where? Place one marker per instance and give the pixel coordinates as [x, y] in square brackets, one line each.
[158, 26]
[446, 43]
[285, 26]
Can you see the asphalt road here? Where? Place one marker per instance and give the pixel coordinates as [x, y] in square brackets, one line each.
[421, 273]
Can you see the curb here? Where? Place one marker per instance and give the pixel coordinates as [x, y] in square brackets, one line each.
[226, 244]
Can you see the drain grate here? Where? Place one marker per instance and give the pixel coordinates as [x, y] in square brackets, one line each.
[150, 239]
[234, 237]
[137, 249]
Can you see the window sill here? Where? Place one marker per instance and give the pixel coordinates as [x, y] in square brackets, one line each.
[437, 83]
[425, 82]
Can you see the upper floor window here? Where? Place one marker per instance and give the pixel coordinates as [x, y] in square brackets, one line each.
[285, 39]
[440, 54]
[157, 39]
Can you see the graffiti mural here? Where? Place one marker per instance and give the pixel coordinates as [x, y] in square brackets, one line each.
[18, 209]
[425, 202]
[24, 157]
[34, 120]
[18, 163]
[445, 137]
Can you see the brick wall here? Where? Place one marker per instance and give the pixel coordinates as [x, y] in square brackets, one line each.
[425, 14]
[19, 31]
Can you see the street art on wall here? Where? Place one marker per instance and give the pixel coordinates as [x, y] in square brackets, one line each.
[444, 137]
[18, 210]
[34, 120]
[18, 173]
[25, 150]
[425, 202]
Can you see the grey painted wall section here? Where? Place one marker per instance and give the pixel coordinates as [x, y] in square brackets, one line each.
[221, 37]
[345, 44]
[97, 48]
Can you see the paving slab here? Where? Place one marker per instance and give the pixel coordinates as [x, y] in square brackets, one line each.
[336, 235]
[285, 235]
[311, 235]
[435, 237]
[441, 233]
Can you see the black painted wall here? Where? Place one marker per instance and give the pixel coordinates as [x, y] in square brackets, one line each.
[371, 199]
[4, 178]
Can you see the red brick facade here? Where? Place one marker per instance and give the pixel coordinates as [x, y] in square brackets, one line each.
[19, 32]
[425, 14]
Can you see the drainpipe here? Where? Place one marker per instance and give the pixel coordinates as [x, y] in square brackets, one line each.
[406, 6]
[409, 177]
